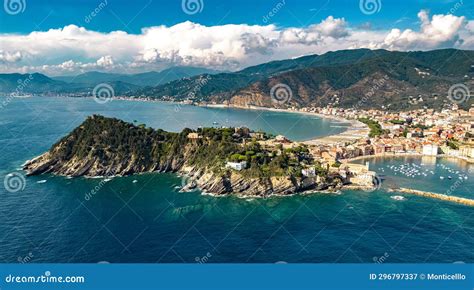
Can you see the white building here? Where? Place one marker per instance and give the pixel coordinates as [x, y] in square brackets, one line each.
[430, 149]
[281, 138]
[237, 165]
[309, 172]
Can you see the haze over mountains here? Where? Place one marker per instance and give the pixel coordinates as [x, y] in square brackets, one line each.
[152, 78]
[85, 82]
[361, 77]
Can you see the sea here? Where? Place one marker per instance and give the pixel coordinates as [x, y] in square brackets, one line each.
[145, 219]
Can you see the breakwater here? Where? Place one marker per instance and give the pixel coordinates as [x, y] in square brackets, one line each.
[450, 198]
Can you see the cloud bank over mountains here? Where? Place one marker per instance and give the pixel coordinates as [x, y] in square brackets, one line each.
[74, 49]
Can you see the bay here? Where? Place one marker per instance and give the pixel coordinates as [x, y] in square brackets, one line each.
[144, 218]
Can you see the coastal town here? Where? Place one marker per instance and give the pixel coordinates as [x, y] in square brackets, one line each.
[423, 132]
[447, 133]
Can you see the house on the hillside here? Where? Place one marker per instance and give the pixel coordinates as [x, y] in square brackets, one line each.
[236, 165]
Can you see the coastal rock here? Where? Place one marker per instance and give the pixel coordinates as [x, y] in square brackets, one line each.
[110, 147]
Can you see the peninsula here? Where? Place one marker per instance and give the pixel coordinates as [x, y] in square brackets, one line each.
[218, 160]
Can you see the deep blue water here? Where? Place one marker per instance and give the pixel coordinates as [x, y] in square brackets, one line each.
[149, 221]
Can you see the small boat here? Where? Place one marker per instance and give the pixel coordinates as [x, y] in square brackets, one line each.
[397, 197]
[215, 123]
[449, 177]
[135, 181]
[42, 181]
[441, 177]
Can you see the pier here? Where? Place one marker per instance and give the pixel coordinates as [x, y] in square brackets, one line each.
[450, 198]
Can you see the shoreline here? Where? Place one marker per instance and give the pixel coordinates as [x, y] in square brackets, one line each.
[385, 155]
[355, 131]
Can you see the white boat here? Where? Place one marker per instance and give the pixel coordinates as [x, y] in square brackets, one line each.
[397, 197]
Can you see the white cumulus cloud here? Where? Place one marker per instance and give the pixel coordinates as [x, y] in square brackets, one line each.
[440, 31]
[74, 49]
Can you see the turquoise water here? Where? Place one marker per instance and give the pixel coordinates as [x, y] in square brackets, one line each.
[144, 218]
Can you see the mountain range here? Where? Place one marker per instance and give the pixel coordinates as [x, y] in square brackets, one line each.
[361, 77]
[38, 83]
[152, 78]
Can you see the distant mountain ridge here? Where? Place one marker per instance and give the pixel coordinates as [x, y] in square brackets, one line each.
[151, 78]
[362, 77]
[121, 83]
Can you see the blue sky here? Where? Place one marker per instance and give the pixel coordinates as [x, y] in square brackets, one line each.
[60, 37]
[131, 16]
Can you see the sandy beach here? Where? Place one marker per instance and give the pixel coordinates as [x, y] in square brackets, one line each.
[356, 130]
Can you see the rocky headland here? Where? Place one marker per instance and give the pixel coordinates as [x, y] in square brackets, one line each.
[215, 160]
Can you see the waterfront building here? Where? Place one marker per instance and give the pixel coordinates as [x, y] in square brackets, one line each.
[430, 149]
[466, 151]
[358, 174]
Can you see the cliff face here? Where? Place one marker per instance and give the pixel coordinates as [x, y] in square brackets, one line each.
[108, 147]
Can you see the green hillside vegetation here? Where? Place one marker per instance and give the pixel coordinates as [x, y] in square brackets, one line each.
[390, 76]
[112, 141]
[374, 126]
